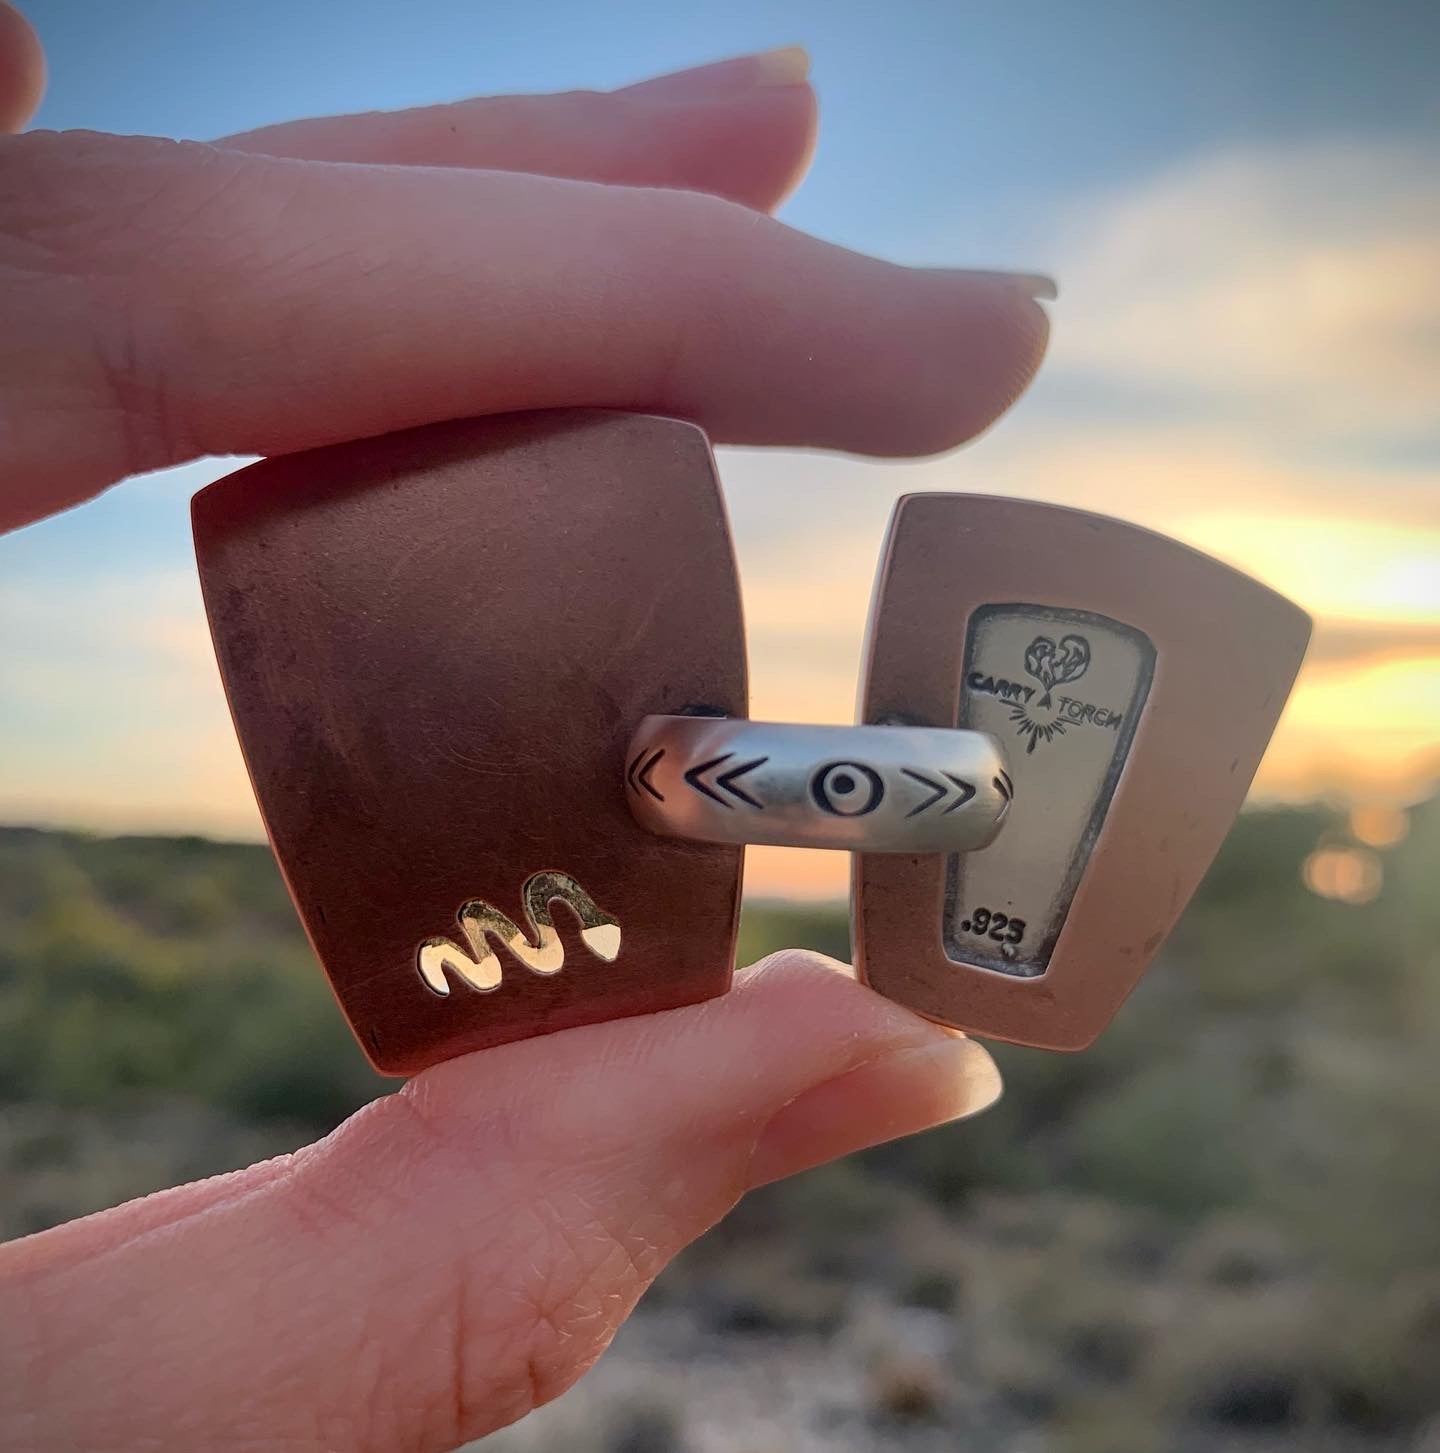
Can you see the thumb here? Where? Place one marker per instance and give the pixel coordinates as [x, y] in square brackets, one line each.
[459, 1252]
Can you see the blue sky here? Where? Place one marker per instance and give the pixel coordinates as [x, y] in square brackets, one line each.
[934, 101]
[1239, 200]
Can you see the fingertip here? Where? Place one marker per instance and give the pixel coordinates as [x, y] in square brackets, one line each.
[22, 69]
[900, 1092]
[784, 66]
[753, 147]
[802, 153]
[1018, 328]
[776, 119]
[973, 345]
[999, 340]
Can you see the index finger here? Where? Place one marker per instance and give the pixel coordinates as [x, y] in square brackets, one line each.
[165, 300]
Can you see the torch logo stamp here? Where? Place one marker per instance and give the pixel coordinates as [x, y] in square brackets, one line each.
[1042, 713]
[1053, 665]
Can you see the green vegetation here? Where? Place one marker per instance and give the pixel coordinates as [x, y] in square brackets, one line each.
[174, 965]
[1225, 1215]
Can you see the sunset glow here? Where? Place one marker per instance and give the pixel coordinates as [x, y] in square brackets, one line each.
[1342, 569]
[1263, 390]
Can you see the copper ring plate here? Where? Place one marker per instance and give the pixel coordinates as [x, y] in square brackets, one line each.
[1133, 684]
[436, 645]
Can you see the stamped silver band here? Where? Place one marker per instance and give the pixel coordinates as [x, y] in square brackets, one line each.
[869, 789]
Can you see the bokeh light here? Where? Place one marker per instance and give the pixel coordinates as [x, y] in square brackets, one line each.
[1379, 824]
[1346, 874]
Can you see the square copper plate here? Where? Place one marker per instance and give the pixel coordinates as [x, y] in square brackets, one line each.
[435, 647]
[1133, 685]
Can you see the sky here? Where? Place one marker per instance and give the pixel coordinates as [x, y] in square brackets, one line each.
[1241, 204]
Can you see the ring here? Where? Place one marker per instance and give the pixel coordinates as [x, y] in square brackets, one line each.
[863, 789]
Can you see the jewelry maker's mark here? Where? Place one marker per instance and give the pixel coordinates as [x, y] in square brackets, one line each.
[480, 967]
[1051, 666]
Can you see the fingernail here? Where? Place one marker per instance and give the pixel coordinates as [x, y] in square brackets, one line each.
[1039, 286]
[787, 66]
[1033, 285]
[899, 1093]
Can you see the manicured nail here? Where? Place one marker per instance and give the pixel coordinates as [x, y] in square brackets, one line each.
[1033, 285]
[1039, 286]
[900, 1093]
[787, 66]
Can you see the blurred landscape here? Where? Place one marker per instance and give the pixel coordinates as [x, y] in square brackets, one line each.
[1219, 1229]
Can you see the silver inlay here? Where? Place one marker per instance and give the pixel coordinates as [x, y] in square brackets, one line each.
[1062, 690]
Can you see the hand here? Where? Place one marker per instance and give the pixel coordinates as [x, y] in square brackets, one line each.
[459, 1252]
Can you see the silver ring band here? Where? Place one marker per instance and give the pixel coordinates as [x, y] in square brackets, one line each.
[864, 789]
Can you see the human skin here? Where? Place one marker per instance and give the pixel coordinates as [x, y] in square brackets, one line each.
[460, 1252]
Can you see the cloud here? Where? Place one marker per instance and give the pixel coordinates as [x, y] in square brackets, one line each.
[1299, 281]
